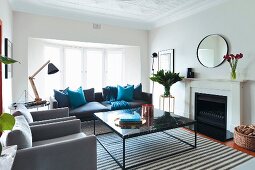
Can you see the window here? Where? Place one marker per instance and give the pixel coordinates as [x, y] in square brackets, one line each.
[73, 67]
[94, 69]
[86, 67]
[114, 67]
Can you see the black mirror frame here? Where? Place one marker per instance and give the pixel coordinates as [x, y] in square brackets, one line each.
[222, 56]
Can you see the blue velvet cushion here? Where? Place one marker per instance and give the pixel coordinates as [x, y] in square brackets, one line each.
[119, 105]
[110, 93]
[125, 93]
[137, 92]
[62, 98]
[76, 98]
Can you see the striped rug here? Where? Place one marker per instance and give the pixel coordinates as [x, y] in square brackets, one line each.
[207, 155]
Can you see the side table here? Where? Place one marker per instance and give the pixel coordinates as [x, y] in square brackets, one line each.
[165, 101]
[13, 107]
[7, 157]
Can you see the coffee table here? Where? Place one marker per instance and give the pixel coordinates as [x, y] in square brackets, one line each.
[160, 122]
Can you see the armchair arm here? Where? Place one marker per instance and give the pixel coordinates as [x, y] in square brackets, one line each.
[53, 103]
[147, 97]
[52, 120]
[55, 130]
[71, 154]
[50, 114]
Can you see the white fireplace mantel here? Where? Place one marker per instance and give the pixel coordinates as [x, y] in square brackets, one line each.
[230, 88]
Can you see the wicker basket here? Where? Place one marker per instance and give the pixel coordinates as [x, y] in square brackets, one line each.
[244, 141]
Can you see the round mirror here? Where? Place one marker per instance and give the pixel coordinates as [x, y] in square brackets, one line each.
[211, 50]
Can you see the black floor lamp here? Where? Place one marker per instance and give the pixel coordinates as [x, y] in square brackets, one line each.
[154, 55]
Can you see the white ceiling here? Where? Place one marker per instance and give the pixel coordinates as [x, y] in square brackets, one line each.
[142, 14]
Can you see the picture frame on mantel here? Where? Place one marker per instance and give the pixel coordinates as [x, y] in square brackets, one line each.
[8, 53]
[166, 60]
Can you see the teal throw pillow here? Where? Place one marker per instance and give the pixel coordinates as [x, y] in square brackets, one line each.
[76, 98]
[125, 93]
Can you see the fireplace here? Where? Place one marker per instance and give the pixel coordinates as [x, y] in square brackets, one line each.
[211, 115]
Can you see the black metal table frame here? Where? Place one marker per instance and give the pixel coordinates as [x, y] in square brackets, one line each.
[124, 138]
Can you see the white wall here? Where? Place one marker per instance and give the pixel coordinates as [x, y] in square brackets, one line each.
[7, 19]
[234, 20]
[34, 26]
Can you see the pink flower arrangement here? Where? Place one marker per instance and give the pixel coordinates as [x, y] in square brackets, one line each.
[233, 60]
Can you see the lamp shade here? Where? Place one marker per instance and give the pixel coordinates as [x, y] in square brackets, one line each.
[52, 68]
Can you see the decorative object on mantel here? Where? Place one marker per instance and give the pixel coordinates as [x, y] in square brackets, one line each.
[233, 60]
[211, 49]
[244, 136]
[167, 79]
[190, 73]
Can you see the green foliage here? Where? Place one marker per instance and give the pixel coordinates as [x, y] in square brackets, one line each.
[7, 122]
[167, 79]
[6, 60]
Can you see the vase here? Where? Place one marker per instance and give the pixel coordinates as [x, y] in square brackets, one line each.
[233, 74]
[167, 91]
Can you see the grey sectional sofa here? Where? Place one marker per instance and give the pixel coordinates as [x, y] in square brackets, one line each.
[98, 104]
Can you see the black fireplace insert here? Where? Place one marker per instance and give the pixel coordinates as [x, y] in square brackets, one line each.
[211, 115]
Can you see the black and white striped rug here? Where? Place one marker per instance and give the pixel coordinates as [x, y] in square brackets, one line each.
[207, 155]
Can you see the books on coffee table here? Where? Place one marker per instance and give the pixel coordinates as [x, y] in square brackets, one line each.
[130, 117]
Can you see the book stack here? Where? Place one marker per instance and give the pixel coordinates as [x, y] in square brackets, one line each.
[130, 120]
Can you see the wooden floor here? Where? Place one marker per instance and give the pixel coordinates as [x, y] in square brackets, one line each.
[229, 143]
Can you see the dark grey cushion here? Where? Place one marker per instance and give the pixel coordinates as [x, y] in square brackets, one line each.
[62, 98]
[138, 92]
[89, 95]
[110, 93]
[20, 135]
[88, 109]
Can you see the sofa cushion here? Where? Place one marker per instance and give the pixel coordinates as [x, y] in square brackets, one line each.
[62, 98]
[76, 98]
[20, 135]
[133, 104]
[59, 139]
[22, 110]
[110, 93]
[137, 103]
[138, 92]
[107, 104]
[88, 109]
[125, 93]
[89, 95]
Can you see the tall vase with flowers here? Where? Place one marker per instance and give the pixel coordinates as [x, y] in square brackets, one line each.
[233, 60]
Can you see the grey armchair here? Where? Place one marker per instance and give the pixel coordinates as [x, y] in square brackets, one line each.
[44, 116]
[57, 146]
[50, 116]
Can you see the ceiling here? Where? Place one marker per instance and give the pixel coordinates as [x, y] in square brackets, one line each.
[141, 14]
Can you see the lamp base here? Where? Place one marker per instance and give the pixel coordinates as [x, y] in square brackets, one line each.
[39, 101]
